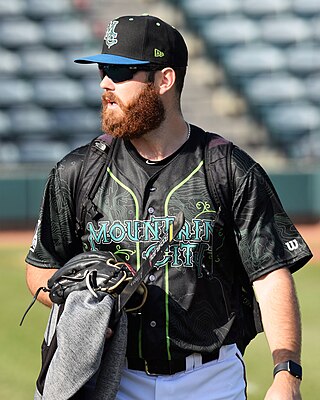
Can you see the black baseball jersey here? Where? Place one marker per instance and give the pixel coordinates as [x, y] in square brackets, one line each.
[194, 295]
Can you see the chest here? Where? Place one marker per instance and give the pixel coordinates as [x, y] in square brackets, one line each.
[136, 210]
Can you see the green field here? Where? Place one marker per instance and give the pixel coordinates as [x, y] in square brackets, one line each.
[20, 346]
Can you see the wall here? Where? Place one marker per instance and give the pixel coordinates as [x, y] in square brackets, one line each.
[20, 197]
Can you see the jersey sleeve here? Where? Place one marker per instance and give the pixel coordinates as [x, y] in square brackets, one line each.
[267, 238]
[55, 239]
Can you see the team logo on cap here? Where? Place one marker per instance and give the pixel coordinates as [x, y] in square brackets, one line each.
[111, 36]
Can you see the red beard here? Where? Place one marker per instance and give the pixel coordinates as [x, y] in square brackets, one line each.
[144, 114]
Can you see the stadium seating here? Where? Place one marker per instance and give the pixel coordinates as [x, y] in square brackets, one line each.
[30, 121]
[306, 8]
[313, 88]
[75, 121]
[57, 90]
[248, 61]
[47, 103]
[60, 32]
[40, 60]
[15, 91]
[303, 58]
[39, 9]
[42, 151]
[10, 62]
[19, 31]
[9, 153]
[284, 30]
[228, 32]
[268, 52]
[12, 8]
[265, 90]
[5, 124]
[259, 9]
[198, 11]
[74, 70]
[92, 90]
[289, 121]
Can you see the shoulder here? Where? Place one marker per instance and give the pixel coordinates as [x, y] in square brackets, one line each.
[81, 164]
[65, 174]
[72, 160]
[219, 147]
[210, 139]
[249, 176]
[241, 159]
[214, 145]
[233, 163]
[246, 168]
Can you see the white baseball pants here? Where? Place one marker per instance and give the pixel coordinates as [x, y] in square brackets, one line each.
[221, 379]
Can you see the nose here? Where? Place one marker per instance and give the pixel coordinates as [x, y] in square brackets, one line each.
[107, 83]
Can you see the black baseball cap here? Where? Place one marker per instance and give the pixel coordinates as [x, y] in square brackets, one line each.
[140, 40]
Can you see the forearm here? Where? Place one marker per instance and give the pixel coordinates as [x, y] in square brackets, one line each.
[38, 277]
[280, 315]
[282, 325]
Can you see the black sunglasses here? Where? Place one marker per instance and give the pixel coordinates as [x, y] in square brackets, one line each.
[121, 73]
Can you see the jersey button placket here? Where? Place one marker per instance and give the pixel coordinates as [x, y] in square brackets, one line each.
[151, 210]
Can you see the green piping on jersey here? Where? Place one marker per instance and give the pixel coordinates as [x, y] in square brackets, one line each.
[137, 244]
[166, 274]
[136, 212]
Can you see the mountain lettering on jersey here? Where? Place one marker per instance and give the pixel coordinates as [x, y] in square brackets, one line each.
[196, 235]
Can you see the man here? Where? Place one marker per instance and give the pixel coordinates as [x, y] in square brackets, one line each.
[185, 341]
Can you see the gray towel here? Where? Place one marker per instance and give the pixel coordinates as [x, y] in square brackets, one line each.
[80, 353]
[112, 363]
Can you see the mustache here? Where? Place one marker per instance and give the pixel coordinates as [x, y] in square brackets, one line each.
[110, 97]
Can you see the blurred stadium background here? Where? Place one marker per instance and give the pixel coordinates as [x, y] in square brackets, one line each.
[254, 77]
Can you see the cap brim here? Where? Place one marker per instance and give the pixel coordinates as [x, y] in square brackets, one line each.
[109, 59]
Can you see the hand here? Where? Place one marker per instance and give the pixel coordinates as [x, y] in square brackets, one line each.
[284, 387]
[109, 333]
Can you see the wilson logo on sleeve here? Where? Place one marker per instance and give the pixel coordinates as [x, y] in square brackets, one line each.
[292, 245]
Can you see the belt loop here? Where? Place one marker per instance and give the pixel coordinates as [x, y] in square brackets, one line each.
[193, 361]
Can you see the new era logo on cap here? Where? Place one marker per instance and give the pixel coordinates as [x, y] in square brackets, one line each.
[158, 53]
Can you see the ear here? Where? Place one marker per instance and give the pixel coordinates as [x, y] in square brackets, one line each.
[165, 80]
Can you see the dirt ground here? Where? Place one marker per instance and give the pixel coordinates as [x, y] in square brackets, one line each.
[310, 232]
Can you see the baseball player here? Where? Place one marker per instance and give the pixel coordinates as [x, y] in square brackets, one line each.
[187, 340]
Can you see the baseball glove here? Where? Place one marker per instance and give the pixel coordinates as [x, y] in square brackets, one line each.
[99, 272]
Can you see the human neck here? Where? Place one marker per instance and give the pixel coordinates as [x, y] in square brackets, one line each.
[164, 141]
